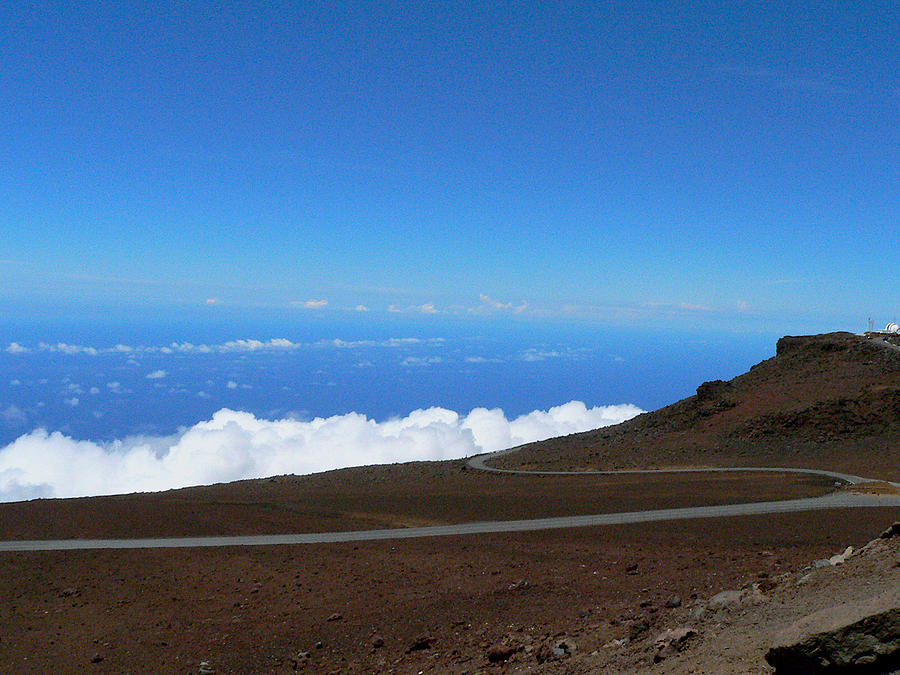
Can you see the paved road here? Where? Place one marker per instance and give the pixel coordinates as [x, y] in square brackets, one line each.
[833, 501]
[790, 506]
[480, 462]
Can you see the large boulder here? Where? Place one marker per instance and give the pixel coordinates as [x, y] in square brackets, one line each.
[852, 638]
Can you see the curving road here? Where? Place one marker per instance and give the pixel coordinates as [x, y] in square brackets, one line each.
[832, 501]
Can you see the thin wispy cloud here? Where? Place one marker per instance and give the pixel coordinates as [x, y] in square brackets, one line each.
[783, 80]
[310, 304]
[231, 346]
[679, 306]
[420, 361]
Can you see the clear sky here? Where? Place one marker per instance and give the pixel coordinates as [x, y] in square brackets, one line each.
[721, 163]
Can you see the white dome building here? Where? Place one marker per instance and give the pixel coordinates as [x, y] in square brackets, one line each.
[892, 328]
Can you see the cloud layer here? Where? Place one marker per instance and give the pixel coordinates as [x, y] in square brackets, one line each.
[235, 445]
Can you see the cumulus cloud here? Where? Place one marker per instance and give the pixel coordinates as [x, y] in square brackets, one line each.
[361, 308]
[63, 348]
[235, 445]
[156, 375]
[16, 348]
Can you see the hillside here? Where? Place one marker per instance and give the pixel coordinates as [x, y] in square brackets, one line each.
[828, 401]
[579, 600]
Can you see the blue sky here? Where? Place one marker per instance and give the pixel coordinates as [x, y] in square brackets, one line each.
[622, 163]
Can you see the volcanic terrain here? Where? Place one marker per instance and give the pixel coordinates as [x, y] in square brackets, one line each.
[582, 600]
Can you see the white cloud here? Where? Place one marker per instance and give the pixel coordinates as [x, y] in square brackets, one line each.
[310, 304]
[231, 384]
[255, 345]
[489, 305]
[212, 301]
[240, 345]
[427, 308]
[94, 391]
[539, 354]
[63, 348]
[156, 375]
[115, 387]
[236, 445]
[361, 308]
[72, 402]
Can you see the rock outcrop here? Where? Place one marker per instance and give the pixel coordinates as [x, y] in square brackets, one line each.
[858, 638]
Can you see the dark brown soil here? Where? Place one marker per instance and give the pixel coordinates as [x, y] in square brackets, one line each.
[383, 496]
[254, 610]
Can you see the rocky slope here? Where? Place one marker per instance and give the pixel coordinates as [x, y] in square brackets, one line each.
[830, 401]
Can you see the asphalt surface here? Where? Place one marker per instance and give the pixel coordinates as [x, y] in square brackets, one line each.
[833, 501]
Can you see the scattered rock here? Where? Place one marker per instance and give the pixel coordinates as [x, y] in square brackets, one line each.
[335, 617]
[724, 600]
[303, 656]
[377, 642]
[544, 653]
[766, 584]
[892, 531]
[672, 641]
[206, 668]
[632, 569]
[68, 592]
[96, 658]
[637, 628]
[673, 601]
[564, 648]
[872, 643]
[841, 558]
[420, 643]
[500, 652]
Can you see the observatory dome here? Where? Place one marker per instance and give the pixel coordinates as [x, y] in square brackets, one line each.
[892, 328]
